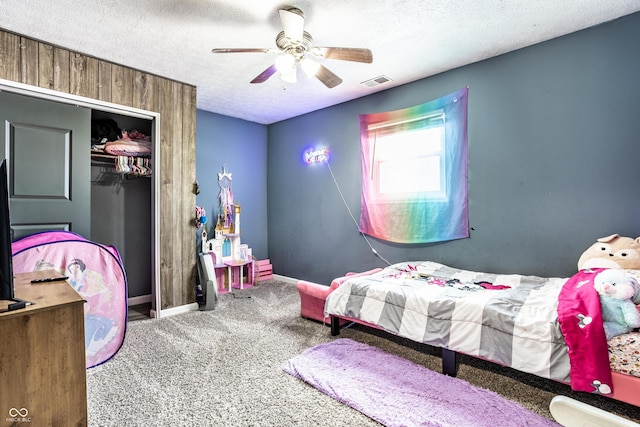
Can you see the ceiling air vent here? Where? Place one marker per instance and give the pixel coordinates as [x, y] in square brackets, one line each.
[376, 81]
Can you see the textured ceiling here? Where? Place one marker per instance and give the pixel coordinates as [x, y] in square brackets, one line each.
[410, 40]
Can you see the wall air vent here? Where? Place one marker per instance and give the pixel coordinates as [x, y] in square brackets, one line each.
[376, 81]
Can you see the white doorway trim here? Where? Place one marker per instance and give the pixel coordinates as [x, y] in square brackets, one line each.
[67, 98]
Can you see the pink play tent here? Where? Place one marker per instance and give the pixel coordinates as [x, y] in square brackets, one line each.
[95, 271]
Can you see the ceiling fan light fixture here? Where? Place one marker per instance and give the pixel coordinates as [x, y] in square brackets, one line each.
[294, 44]
[285, 62]
[290, 76]
[309, 66]
[292, 22]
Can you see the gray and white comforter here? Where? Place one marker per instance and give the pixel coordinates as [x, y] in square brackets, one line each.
[507, 319]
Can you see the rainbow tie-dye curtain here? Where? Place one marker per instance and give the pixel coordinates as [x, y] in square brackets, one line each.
[426, 214]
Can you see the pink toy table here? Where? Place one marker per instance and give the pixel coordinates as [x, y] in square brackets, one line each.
[234, 269]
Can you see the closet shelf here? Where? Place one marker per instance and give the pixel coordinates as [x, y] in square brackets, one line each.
[101, 157]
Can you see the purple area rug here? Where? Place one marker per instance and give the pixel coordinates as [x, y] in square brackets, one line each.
[397, 392]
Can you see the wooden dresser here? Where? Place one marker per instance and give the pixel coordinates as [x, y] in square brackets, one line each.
[42, 356]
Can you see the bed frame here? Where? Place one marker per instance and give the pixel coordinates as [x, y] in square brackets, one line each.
[626, 387]
[448, 356]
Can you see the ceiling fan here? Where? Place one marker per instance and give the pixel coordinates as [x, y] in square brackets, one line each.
[296, 47]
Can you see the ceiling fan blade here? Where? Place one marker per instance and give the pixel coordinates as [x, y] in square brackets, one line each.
[327, 77]
[263, 76]
[244, 50]
[292, 22]
[344, 53]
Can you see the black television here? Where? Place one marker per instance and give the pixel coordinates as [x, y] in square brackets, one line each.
[6, 259]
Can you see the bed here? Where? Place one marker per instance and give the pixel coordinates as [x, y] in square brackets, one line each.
[549, 327]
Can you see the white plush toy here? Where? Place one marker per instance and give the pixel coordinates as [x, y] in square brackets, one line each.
[617, 289]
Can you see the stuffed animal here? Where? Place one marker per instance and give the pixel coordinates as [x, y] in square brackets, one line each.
[612, 252]
[616, 289]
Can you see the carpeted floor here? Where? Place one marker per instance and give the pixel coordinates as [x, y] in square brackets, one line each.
[224, 368]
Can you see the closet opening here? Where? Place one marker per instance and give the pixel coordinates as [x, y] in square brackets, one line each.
[121, 171]
[124, 197]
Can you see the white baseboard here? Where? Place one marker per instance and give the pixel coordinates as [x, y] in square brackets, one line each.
[172, 311]
[142, 299]
[286, 279]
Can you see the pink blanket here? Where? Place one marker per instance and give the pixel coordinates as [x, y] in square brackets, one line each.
[580, 317]
[128, 147]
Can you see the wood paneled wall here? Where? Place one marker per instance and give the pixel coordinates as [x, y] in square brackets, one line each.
[45, 65]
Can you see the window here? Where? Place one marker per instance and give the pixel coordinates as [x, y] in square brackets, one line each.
[408, 162]
[414, 172]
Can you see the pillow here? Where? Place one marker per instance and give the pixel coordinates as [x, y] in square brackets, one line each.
[612, 252]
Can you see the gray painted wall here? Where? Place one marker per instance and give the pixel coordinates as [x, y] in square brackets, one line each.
[553, 163]
[242, 147]
[121, 216]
